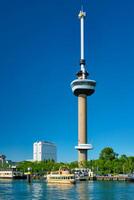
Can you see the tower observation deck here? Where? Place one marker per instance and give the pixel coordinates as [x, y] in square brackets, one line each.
[82, 87]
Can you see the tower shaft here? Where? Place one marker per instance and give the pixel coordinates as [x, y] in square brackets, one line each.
[82, 126]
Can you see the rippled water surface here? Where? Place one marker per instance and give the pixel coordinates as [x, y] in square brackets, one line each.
[18, 190]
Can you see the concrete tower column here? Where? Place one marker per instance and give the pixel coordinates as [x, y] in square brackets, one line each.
[82, 126]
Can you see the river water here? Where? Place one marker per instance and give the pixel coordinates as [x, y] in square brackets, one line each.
[39, 190]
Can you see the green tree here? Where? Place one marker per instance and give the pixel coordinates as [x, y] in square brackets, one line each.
[107, 154]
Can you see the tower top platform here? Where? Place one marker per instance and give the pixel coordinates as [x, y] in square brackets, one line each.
[83, 86]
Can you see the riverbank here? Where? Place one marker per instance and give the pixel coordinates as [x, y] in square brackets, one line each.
[98, 178]
[112, 178]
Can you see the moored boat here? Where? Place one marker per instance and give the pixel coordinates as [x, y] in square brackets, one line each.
[11, 174]
[82, 174]
[63, 176]
[130, 177]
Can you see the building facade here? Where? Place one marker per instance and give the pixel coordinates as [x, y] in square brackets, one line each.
[2, 159]
[44, 150]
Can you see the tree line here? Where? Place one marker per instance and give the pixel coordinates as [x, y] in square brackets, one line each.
[108, 162]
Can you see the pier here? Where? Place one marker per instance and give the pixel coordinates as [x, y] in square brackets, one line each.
[109, 178]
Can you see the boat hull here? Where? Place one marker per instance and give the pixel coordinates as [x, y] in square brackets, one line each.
[130, 179]
[61, 182]
[83, 178]
[15, 177]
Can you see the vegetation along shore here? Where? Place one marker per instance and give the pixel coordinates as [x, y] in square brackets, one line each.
[108, 163]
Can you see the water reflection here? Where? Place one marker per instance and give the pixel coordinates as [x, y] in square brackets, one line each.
[84, 190]
[36, 189]
[60, 186]
[6, 186]
[5, 180]
[60, 191]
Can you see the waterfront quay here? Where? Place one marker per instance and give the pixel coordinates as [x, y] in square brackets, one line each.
[98, 178]
[110, 178]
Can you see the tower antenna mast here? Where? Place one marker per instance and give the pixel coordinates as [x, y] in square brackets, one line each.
[82, 15]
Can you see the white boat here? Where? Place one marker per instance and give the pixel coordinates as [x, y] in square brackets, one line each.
[11, 174]
[63, 176]
[130, 177]
[82, 174]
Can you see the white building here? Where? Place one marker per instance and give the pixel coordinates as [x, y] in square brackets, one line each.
[43, 150]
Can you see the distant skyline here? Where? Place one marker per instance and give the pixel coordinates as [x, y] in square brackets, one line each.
[39, 57]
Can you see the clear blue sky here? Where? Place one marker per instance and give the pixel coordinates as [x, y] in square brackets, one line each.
[39, 56]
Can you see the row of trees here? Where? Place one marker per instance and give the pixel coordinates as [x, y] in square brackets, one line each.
[108, 162]
[44, 166]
